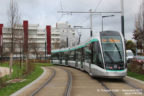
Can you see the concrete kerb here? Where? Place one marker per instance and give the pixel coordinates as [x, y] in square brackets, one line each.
[22, 89]
[139, 81]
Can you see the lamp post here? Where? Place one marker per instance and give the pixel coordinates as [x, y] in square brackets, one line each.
[105, 17]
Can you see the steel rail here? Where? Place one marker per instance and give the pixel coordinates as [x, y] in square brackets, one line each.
[134, 86]
[48, 81]
[69, 83]
[108, 90]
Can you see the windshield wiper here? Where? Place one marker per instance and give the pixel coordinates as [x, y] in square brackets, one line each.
[118, 51]
[109, 56]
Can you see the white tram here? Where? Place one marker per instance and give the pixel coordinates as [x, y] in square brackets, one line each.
[101, 56]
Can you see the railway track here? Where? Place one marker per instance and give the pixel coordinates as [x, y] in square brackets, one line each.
[121, 87]
[56, 82]
[50, 78]
[110, 87]
[134, 86]
[84, 85]
[69, 84]
[65, 81]
[109, 91]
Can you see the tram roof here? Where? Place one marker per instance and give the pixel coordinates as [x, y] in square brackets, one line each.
[93, 39]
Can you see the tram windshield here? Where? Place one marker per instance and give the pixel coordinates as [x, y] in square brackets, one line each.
[113, 51]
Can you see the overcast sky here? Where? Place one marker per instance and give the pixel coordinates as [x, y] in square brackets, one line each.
[44, 12]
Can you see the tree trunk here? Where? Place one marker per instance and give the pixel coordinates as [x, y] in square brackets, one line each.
[26, 62]
[10, 64]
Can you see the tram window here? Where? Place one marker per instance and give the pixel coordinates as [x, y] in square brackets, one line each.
[88, 53]
[60, 55]
[97, 56]
[65, 55]
[55, 56]
[78, 54]
[83, 54]
[71, 55]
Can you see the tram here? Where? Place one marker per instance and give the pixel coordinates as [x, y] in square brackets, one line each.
[101, 56]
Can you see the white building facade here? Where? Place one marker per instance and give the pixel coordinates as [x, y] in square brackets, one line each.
[67, 34]
[37, 39]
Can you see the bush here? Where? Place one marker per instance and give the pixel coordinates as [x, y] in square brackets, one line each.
[136, 66]
[2, 82]
[30, 67]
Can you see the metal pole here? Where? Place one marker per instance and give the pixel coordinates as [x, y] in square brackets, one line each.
[45, 50]
[20, 53]
[122, 18]
[45, 44]
[102, 23]
[79, 39]
[91, 26]
[67, 42]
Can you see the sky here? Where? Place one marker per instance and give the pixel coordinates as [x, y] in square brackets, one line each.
[45, 12]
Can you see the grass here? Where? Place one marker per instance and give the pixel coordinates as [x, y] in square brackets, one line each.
[11, 88]
[136, 75]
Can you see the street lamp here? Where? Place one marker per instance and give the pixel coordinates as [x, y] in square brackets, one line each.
[105, 17]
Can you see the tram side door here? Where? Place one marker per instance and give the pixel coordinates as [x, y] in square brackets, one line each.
[82, 57]
[88, 58]
[60, 58]
[76, 58]
[91, 57]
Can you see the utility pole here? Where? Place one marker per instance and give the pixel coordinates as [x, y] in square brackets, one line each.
[122, 18]
[67, 42]
[91, 25]
[45, 44]
[45, 50]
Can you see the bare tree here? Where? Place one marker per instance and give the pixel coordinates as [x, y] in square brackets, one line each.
[139, 23]
[63, 44]
[18, 42]
[14, 18]
[33, 47]
[56, 44]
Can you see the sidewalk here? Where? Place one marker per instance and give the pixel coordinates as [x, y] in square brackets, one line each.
[4, 71]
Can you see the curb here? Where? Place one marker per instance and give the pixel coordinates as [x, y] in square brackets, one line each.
[139, 81]
[33, 82]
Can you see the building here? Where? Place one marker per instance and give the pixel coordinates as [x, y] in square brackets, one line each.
[63, 35]
[37, 39]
